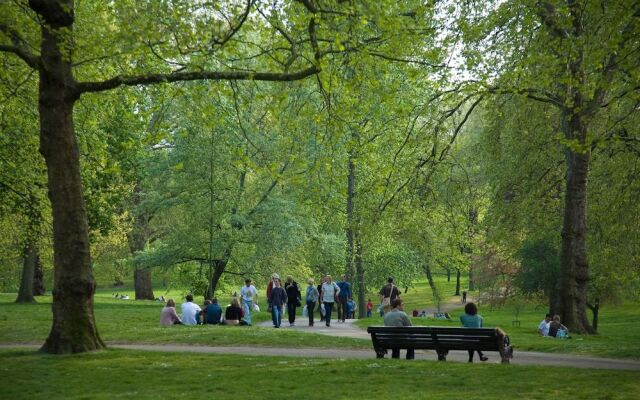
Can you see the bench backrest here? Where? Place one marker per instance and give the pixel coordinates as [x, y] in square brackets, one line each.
[433, 337]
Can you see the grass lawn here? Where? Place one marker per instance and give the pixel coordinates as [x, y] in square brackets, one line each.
[619, 333]
[129, 321]
[115, 374]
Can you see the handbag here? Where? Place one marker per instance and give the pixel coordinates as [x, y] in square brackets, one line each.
[323, 312]
[386, 301]
[305, 311]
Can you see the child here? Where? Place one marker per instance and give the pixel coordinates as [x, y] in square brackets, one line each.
[369, 308]
[351, 308]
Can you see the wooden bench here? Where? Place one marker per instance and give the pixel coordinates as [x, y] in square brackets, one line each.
[441, 339]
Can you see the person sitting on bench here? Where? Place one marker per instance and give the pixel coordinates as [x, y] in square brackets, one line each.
[397, 317]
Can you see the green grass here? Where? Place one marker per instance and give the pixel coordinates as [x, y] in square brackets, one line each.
[619, 336]
[129, 321]
[118, 374]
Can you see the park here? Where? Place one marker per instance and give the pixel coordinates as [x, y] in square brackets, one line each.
[463, 174]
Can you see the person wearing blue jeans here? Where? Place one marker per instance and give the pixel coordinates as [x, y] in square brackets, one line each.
[277, 299]
[343, 298]
[329, 293]
[248, 293]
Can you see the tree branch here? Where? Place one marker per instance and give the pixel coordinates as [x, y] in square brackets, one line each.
[19, 47]
[151, 79]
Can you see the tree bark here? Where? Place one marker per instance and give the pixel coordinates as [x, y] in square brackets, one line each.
[138, 238]
[38, 277]
[362, 291]
[458, 274]
[572, 300]
[30, 255]
[472, 285]
[351, 185]
[74, 328]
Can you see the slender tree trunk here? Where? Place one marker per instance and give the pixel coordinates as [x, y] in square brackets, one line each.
[472, 285]
[138, 238]
[29, 257]
[38, 277]
[218, 269]
[74, 328]
[448, 274]
[351, 185]
[458, 276]
[362, 291]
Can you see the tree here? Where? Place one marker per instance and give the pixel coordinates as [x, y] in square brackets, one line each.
[63, 80]
[575, 57]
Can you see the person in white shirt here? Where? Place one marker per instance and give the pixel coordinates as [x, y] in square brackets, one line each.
[248, 293]
[328, 296]
[189, 311]
[543, 328]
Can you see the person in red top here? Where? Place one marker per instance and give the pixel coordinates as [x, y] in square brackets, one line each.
[369, 308]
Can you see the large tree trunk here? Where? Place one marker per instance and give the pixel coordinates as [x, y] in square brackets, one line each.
[572, 300]
[74, 328]
[30, 256]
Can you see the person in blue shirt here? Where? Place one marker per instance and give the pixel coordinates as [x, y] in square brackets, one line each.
[343, 298]
[471, 319]
[213, 312]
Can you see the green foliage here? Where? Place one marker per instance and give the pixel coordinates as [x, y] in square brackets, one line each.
[540, 269]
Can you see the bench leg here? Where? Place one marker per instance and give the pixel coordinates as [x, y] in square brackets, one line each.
[442, 355]
[380, 353]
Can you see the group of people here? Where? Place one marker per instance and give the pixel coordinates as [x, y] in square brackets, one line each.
[551, 326]
[211, 312]
[326, 296]
[322, 299]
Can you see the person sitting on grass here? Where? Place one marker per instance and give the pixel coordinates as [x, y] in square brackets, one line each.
[233, 314]
[556, 329]
[543, 328]
[168, 315]
[213, 312]
[189, 311]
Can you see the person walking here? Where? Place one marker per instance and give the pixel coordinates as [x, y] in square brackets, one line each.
[311, 297]
[320, 300]
[343, 298]
[293, 299]
[397, 317]
[270, 286]
[471, 319]
[248, 294]
[277, 300]
[330, 291]
[388, 293]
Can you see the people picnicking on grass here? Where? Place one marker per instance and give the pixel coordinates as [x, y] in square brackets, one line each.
[190, 311]
[168, 315]
[551, 326]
